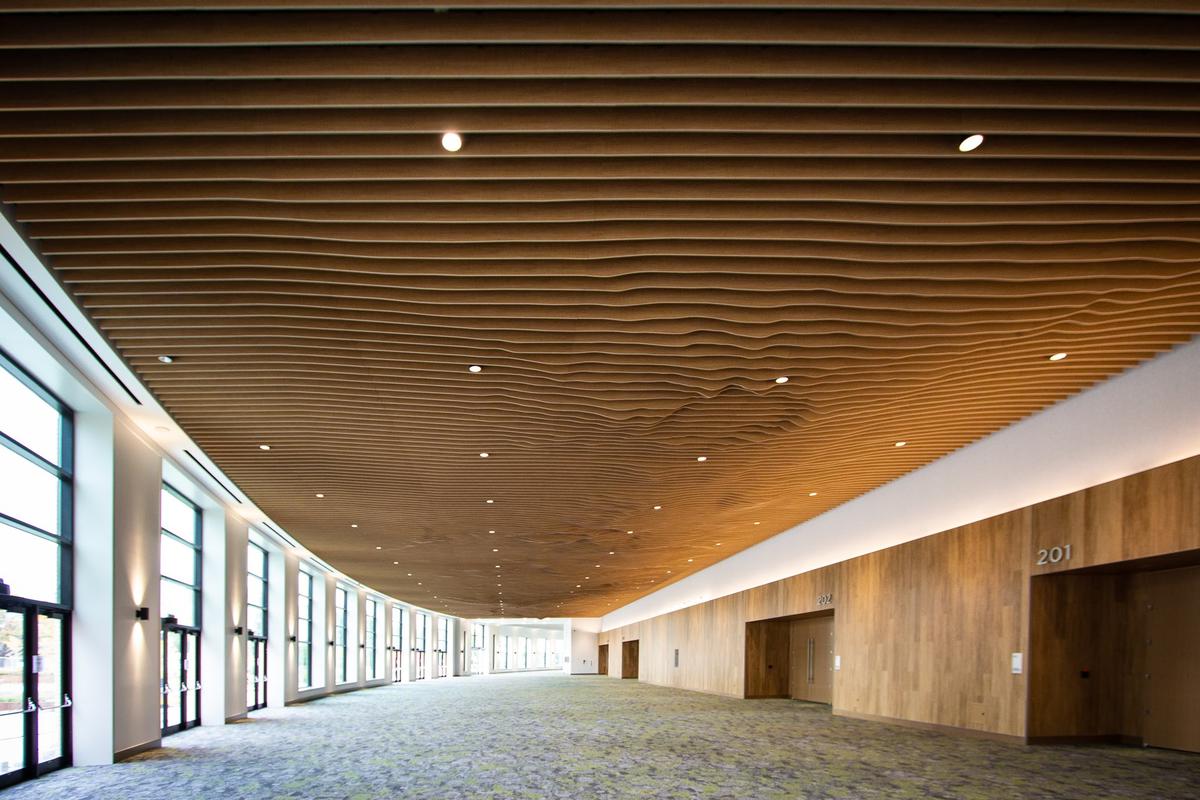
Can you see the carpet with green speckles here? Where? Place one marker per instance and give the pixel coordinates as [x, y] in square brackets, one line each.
[553, 736]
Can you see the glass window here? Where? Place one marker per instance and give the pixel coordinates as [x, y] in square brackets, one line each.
[422, 625]
[256, 589]
[341, 623]
[372, 632]
[35, 491]
[443, 634]
[304, 631]
[179, 558]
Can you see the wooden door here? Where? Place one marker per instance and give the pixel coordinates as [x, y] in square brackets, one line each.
[602, 660]
[1173, 660]
[629, 659]
[811, 660]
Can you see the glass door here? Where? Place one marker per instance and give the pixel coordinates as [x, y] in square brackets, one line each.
[256, 677]
[35, 701]
[180, 678]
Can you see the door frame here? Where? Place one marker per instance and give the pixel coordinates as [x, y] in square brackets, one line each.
[185, 631]
[32, 611]
[260, 672]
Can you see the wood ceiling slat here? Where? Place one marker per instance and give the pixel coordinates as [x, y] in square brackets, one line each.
[480, 122]
[199, 213]
[1140, 6]
[599, 61]
[116, 236]
[367, 262]
[549, 92]
[634, 242]
[995, 193]
[493, 147]
[549, 26]
[828, 168]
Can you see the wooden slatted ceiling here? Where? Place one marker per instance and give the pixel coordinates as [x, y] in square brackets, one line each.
[657, 212]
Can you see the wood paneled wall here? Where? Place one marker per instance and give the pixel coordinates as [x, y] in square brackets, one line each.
[926, 629]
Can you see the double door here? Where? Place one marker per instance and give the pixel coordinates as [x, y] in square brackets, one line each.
[180, 677]
[256, 672]
[35, 701]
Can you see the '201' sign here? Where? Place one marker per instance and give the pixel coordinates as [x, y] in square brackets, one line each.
[1054, 555]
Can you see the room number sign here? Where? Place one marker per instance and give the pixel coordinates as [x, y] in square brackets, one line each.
[1054, 555]
[824, 599]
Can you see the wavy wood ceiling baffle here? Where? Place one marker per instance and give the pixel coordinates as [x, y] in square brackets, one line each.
[655, 215]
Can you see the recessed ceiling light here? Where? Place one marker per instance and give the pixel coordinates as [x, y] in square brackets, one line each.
[901, 444]
[167, 359]
[702, 458]
[578, 586]
[597, 565]
[658, 508]
[970, 143]
[396, 563]
[452, 142]
[812, 494]
[491, 531]
[320, 495]
[353, 524]
[420, 584]
[496, 567]
[630, 532]
[1058, 356]
[612, 552]
[489, 501]
[758, 523]
[378, 547]
[495, 549]
[484, 455]
[718, 544]
[782, 379]
[410, 574]
[264, 447]
[474, 368]
[689, 560]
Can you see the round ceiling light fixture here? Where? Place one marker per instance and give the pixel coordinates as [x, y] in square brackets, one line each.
[264, 447]
[782, 379]
[474, 368]
[167, 359]
[1058, 356]
[970, 143]
[452, 142]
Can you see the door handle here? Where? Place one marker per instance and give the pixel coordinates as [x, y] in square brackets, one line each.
[811, 649]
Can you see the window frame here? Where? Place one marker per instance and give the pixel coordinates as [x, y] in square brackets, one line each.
[341, 635]
[197, 548]
[64, 472]
[265, 577]
[304, 681]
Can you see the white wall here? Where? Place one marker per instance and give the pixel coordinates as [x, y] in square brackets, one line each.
[1144, 418]
[584, 645]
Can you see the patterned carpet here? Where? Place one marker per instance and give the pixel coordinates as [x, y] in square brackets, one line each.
[552, 736]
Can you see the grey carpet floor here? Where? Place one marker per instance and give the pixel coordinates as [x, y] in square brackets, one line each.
[553, 736]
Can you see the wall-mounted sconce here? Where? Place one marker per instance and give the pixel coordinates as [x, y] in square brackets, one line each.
[237, 630]
[142, 613]
[331, 644]
[292, 638]
[362, 647]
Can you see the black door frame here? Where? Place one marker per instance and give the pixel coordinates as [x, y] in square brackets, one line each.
[32, 611]
[184, 674]
[260, 671]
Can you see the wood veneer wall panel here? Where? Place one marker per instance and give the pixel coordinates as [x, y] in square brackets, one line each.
[926, 629]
